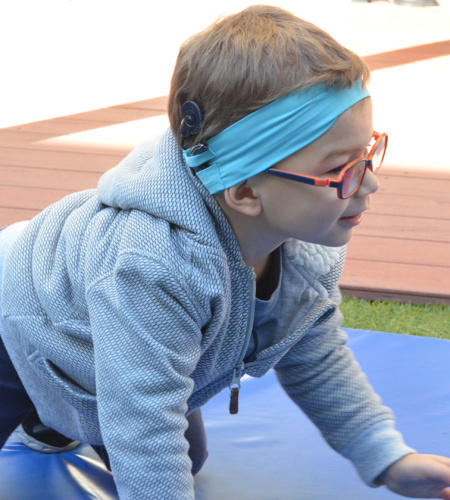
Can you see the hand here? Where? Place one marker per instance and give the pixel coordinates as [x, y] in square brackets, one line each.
[419, 476]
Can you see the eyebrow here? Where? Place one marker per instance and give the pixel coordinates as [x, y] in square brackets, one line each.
[341, 152]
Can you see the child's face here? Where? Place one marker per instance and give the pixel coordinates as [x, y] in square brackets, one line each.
[316, 214]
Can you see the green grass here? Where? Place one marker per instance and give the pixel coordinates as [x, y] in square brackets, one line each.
[394, 317]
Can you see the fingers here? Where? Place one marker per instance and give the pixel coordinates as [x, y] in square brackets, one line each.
[445, 494]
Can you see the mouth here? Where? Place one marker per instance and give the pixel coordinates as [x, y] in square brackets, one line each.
[353, 220]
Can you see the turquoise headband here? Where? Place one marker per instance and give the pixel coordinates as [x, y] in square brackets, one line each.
[270, 134]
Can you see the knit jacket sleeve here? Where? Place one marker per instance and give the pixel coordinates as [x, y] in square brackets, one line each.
[322, 377]
[146, 343]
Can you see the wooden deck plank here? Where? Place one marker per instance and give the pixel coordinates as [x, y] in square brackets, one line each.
[117, 115]
[35, 141]
[49, 128]
[436, 206]
[47, 178]
[398, 295]
[155, 103]
[403, 172]
[422, 187]
[398, 251]
[102, 117]
[415, 283]
[407, 228]
[30, 198]
[407, 55]
[10, 215]
[63, 160]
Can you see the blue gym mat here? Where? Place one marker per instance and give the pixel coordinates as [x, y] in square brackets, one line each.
[270, 450]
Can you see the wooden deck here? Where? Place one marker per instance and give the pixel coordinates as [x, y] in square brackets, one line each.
[401, 251]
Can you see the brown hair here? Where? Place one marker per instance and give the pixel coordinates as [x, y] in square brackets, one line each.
[247, 60]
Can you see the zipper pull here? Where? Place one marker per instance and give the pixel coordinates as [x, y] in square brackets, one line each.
[234, 387]
[234, 401]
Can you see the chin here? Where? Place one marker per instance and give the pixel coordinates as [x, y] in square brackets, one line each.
[336, 240]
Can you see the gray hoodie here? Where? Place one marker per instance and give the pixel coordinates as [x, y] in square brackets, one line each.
[128, 306]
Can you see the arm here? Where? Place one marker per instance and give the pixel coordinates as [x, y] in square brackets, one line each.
[146, 343]
[321, 375]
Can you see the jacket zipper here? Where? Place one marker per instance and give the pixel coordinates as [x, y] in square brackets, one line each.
[240, 366]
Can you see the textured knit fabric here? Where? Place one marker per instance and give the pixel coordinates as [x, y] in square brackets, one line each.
[128, 306]
[14, 400]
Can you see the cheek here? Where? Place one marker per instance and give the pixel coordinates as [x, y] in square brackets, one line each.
[312, 211]
[320, 203]
[320, 221]
[302, 206]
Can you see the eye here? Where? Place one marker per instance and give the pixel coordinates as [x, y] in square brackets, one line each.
[336, 171]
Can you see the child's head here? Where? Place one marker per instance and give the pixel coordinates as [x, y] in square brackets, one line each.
[249, 59]
[276, 91]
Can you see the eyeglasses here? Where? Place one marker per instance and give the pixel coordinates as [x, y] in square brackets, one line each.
[351, 176]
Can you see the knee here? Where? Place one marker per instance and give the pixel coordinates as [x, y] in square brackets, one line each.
[198, 461]
[196, 437]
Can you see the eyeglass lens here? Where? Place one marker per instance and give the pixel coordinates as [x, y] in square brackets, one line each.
[353, 178]
[378, 154]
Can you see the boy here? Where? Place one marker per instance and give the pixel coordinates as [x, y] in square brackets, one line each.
[127, 307]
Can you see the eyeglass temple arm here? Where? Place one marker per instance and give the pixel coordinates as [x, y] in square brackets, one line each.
[305, 179]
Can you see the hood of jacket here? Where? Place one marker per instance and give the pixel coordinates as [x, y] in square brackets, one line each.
[155, 179]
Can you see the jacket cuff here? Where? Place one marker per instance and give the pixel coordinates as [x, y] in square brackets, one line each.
[373, 451]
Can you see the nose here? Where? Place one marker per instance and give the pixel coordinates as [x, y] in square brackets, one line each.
[369, 185]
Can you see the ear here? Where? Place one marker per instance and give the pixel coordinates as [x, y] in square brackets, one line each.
[242, 198]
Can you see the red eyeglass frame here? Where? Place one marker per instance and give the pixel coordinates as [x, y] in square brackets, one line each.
[339, 181]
